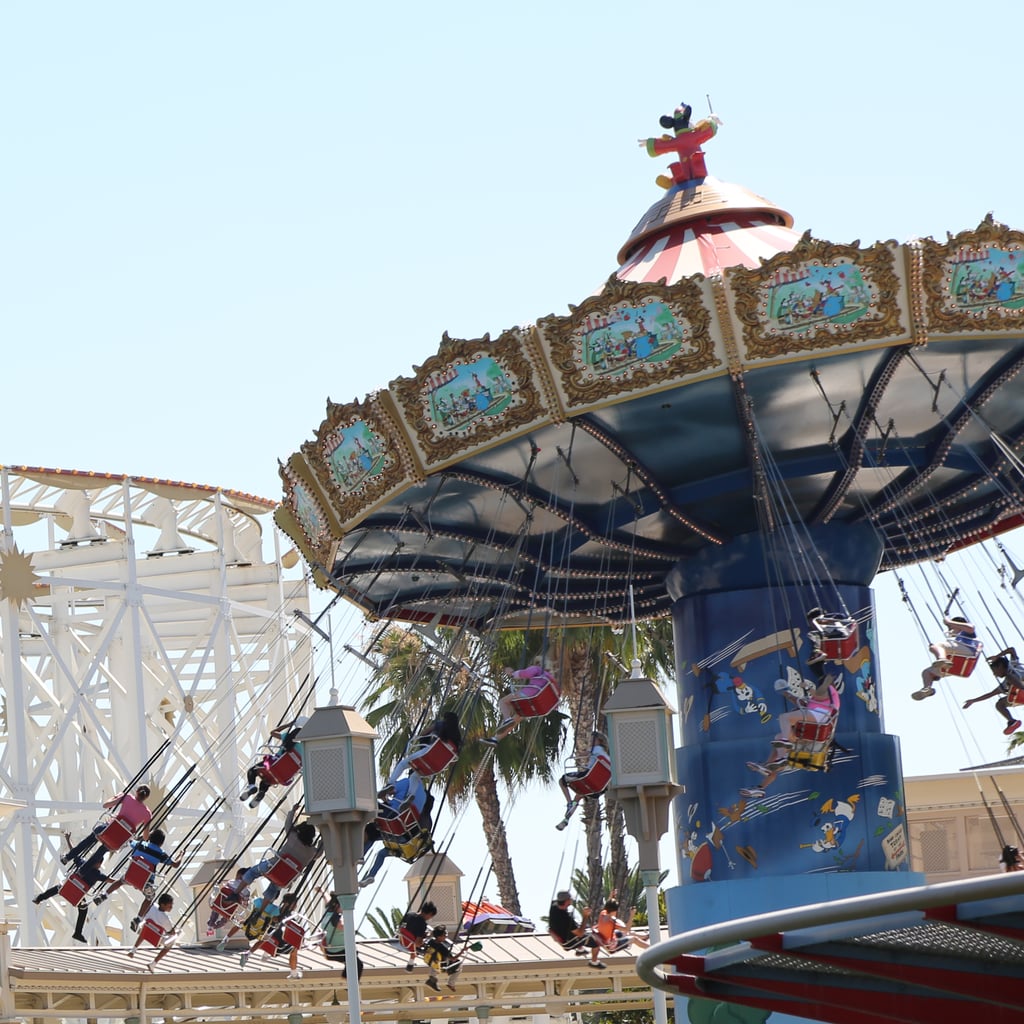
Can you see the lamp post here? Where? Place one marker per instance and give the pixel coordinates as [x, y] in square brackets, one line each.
[642, 751]
[340, 778]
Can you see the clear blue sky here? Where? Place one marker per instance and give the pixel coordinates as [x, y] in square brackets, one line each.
[216, 215]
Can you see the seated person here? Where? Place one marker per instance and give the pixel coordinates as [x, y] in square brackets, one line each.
[598, 753]
[231, 896]
[820, 708]
[412, 930]
[255, 776]
[533, 680]
[961, 639]
[440, 955]
[91, 873]
[407, 792]
[275, 933]
[301, 844]
[160, 915]
[613, 933]
[445, 728]
[569, 933]
[260, 919]
[130, 808]
[1009, 688]
[332, 936]
[152, 852]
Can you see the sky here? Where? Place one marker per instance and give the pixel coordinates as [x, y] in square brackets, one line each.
[218, 216]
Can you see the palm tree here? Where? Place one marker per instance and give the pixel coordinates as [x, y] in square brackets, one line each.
[415, 680]
[588, 678]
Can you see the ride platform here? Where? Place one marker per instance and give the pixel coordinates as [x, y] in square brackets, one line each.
[511, 975]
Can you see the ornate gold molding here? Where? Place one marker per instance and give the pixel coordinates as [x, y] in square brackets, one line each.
[470, 393]
[975, 280]
[820, 295]
[307, 520]
[633, 337]
[358, 457]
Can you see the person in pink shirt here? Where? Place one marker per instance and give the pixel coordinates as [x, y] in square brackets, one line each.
[533, 680]
[820, 708]
[128, 807]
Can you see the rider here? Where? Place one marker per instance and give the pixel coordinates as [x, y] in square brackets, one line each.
[534, 679]
[570, 933]
[396, 797]
[820, 708]
[412, 930]
[255, 776]
[1010, 687]
[598, 753]
[130, 808]
[232, 896]
[275, 932]
[439, 954]
[615, 934]
[961, 639]
[300, 843]
[445, 728]
[152, 852]
[91, 874]
[332, 935]
[160, 915]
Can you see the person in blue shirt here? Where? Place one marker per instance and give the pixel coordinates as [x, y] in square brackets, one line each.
[406, 793]
[153, 853]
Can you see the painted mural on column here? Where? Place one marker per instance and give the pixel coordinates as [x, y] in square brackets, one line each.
[760, 798]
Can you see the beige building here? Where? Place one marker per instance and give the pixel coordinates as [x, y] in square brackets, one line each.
[951, 833]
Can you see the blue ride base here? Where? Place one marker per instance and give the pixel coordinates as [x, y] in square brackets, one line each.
[742, 645]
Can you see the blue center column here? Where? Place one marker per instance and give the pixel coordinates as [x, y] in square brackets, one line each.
[748, 841]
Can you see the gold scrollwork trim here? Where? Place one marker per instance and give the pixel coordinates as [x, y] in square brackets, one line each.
[877, 267]
[583, 387]
[525, 408]
[316, 544]
[945, 315]
[348, 504]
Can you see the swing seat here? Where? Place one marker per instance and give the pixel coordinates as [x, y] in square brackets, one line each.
[258, 922]
[962, 664]
[269, 945]
[280, 770]
[410, 847]
[293, 932]
[225, 902]
[433, 758]
[839, 648]
[408, 941]
[812, 743]
[403, 822]
[116, 834]
[139, 872]
[1015, 696]
[536, 699]
[151, 932]
[284, 870]
[74, 889]
[594, 779]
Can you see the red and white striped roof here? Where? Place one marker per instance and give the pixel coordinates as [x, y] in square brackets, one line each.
[702, 230]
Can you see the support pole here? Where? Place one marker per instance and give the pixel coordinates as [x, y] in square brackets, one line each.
[650, 880]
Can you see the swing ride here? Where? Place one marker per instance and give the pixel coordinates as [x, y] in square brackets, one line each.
[741, 429]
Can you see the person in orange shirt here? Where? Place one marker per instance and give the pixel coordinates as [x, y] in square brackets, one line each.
[613, 933]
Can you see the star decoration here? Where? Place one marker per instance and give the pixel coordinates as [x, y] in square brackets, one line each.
[17, 577]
